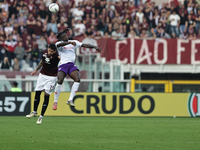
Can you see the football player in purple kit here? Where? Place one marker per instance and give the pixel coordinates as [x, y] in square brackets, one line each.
[66, 49]
[46, 80]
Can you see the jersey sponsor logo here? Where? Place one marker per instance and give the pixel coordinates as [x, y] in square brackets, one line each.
[194, 104]
[68, 48]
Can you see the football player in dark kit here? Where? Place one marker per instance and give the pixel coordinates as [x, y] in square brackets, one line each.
[46, 80]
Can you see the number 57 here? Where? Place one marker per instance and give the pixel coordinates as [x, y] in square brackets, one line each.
[10, 106]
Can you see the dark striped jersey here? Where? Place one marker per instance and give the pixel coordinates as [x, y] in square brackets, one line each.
[50, 64]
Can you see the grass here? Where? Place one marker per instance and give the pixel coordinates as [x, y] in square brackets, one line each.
[99, 133]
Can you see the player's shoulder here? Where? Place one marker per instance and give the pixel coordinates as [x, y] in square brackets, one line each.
[58, 42]
[78, 43]
[56, 54]
[74, 41]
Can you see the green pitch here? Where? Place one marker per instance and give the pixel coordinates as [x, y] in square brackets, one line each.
[99, 133]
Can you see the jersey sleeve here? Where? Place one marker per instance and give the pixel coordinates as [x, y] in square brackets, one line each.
[78, 44]
[58, 43]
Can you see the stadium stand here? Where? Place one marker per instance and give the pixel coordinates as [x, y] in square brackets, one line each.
[29, 21]
[27, 26]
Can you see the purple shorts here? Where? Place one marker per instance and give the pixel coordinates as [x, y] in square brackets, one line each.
[67, 68]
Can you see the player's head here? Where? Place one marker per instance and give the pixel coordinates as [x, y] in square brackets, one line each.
[52, 49]
[62, 36]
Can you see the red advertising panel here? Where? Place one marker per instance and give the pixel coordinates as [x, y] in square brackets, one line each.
[147, 51]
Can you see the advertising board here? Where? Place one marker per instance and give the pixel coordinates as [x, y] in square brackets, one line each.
[125, 104]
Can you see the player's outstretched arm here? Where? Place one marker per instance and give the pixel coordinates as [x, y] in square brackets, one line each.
[38, 67]
[91, 46]
[65, 43]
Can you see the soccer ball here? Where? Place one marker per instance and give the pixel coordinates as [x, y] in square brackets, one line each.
[53, 8]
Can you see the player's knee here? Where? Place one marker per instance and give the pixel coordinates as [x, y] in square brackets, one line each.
[77, 80]
[46, 94]
[60, 81]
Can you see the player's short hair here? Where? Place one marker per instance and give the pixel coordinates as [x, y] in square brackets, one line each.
[52, 46]
[61, 33]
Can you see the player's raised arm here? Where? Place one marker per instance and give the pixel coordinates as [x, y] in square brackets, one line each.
[65, 43]
[38, 67]
[91, 46]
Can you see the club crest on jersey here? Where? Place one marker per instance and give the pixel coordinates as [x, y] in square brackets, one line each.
[44, 55]
[47, 60]
[194, 104]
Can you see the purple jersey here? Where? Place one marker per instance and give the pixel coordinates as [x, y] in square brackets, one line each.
[50, 64]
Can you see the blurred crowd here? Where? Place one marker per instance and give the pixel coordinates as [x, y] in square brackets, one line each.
[27, 26]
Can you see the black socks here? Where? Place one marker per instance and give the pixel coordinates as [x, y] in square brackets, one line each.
[45, 104]
[36, 100]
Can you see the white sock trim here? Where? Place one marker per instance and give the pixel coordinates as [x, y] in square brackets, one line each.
[57, 92]
[74, 89]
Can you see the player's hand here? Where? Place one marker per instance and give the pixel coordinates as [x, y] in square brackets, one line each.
[32, 73]
[73, 43]
[98, 49]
